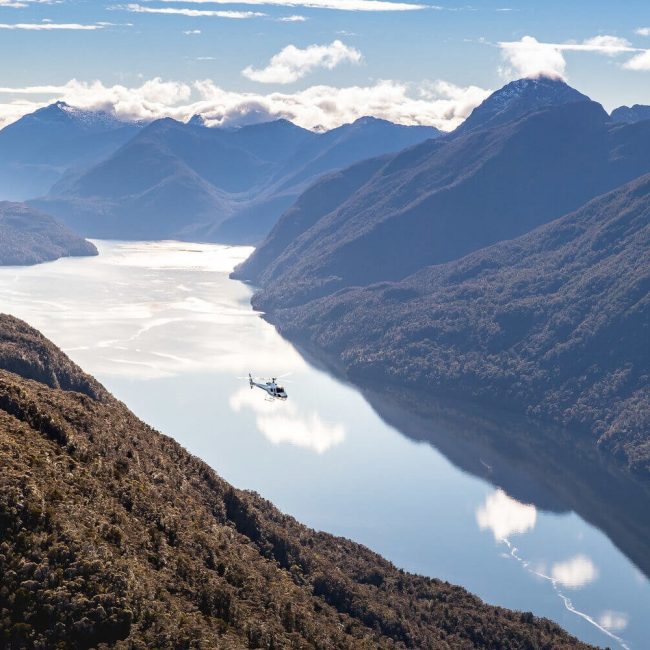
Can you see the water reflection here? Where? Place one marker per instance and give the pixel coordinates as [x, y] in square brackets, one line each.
[281, 422]
[533, 463]
[613, 621]
[574, 573]
[504, 515]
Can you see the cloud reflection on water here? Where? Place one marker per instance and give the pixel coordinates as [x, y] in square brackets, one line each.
[613, 621]
[281, 422]
[505, 516]
[575, 573]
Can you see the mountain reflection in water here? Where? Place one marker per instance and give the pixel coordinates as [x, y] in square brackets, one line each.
[538, 465]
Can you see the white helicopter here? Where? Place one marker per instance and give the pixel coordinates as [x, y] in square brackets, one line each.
[274, 390]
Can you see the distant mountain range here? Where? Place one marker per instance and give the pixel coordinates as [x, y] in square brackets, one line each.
[114, 536]
[40, 147]
[631, 114]
[186, 181]
[28, 237]
[380, 267]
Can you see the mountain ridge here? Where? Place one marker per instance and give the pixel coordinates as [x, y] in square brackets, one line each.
[517, 98]
[244, 177]
[37, 149]
[30, 237]
[444, 198]
[631, 114]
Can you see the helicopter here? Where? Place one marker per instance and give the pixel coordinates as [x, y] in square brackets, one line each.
[274, 390]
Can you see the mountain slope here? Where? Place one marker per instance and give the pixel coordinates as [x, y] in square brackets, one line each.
[36, 150]
[112, 533]
[242, 179]
[631, 114]
[518, 98]
[554, 324]
[445, 198]
[29, 237]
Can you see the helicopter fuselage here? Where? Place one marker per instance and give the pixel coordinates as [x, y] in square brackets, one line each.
[274, 390]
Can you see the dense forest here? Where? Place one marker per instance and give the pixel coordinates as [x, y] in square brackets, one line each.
[112, 535]
[553, 324]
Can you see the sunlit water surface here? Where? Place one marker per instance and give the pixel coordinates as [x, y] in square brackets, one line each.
[162, 326]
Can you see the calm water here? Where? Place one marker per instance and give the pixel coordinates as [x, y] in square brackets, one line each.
[162, 326]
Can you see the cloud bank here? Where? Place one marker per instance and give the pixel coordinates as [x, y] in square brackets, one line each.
[293, 63]
[440, 103]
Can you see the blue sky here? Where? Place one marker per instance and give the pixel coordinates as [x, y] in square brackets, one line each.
[409, 51]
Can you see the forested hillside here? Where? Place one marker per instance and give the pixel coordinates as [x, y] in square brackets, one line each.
[554, 324]
[111, 533]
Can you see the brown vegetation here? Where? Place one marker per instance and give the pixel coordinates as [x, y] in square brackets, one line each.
[112, 535]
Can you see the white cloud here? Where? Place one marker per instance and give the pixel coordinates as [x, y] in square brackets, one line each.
[192, 13]
[191, 32]
[613, 621]
[610, 45]
[48, 26]
[20, 4]
[293, 63]
[529, 57]
[281, 422]
[504, 515]
[639, 62]
[575, 573]
[292, 19]
[440, 104]
[341, 5]
[643, 31]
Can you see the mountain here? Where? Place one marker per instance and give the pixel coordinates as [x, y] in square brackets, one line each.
[554, 324]
[36, 150]
[28, 237]
[631, 114]
[186, 181]
[438, 201]
[518, 98]
[113, 535]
